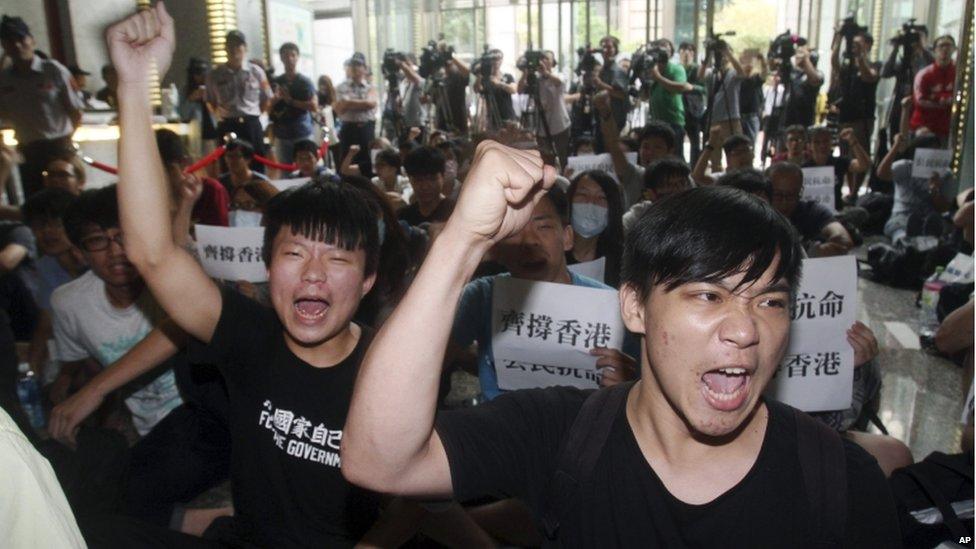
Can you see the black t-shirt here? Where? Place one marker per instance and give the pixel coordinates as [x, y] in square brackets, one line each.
[17, 288]
[613, 75]
[861, 101]
[506, 110]
[286, 421]
[750, 95]
[455, 90]
[509, 448]
[293, 122]
[801, 105]
[840, 164]
[810, 218]
[411, 214]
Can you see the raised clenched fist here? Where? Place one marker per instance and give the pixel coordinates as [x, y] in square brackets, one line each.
[140, 41]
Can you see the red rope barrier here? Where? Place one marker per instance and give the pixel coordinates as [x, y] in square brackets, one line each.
[206, 160]
[98, 165]
[324, 148]
[272, 164]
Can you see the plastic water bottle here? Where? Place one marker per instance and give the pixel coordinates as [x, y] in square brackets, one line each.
[928, 317]
[29, 393]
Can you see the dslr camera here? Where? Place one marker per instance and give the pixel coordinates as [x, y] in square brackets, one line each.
[910, 34]
[391, 62]
[586, 60]
[433, 58]
[530, 61]
[484, 67]
[849, 28]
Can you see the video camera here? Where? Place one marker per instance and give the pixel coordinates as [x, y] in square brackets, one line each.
[391, 63]
[433, 58]
[586, 60]
[484, 66]
[714, 43]
[644, 58]
[783, 47]
[530, 60]
[849, 28]
[910, 33]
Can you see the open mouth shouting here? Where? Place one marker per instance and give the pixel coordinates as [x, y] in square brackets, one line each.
[311, 309]
[726, 388]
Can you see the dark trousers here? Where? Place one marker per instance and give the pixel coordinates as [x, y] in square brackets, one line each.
[37, 155]
[693, 130]
[559, 143]
[679, 140]
[249, 129]
[362, 134]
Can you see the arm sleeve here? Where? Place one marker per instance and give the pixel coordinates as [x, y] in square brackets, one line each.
[678, 74]
[244, 332]
[72, 101]
[508, 447]
[66, 343]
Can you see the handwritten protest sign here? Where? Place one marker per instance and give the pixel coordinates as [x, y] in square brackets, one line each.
[593, 269]
[818, 185]
[928, 162]
[232, 253]
[817, 373]
[285, 184]
[542, 332]
[580, 164]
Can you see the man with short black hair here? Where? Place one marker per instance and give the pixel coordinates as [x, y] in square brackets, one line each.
[294, 99]
[848, 169]
[611, 80]
[934, 90]
[356, 107]
[669, 83]
[854, 87]
[663, 178]
[205, 199]
[689, 455]
[306, 157]
[739, 152]
[425, 169]
[822, 234]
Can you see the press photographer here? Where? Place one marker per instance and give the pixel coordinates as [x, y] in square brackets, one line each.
[723, 83]
[547, 105]
[790, 57]
[403, 109]
[612, 79]
[854, 80]
[581, 92]
[496, 90]
[446, 87]
[908, 56]
[665, 82]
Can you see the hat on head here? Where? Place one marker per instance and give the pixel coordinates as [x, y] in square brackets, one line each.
[357, 59]
[13, 28]
[198, 65]
[235, 37]
[77, 71]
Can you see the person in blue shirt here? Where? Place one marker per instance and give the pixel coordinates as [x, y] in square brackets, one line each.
[537, 252]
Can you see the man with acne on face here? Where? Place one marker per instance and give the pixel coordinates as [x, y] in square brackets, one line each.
[691, 455]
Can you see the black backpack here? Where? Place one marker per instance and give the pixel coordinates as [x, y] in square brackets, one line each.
[926, 494]
[821, 450]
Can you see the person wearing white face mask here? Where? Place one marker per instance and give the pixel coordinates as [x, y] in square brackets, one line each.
[596, 213]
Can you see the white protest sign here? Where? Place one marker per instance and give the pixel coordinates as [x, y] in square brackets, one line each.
[818, 185]
[817, 372]
[285, 184]
[931, 161]
[232, 253]
[542, 332]
[580, 164]
[593, 269]
[244, 218]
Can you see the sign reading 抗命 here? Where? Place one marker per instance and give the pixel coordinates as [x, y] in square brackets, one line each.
[818, 185]
[928, 162]
[232, 253]
[542, 332]
[817, 372]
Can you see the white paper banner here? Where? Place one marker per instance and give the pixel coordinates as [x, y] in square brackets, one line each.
[931, 161]
[284, 184]
[232, 253]
[244, 218]
[817, 373]
[542, 332]
[580, 164]
[818, 185]
[595, 269]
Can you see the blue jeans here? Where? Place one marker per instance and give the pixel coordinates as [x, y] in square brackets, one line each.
[285, 148]
[750, 126]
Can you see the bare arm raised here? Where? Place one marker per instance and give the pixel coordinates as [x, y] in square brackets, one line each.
[389, 443]
[177, 282]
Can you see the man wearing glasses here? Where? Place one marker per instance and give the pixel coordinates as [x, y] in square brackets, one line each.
[822, 234]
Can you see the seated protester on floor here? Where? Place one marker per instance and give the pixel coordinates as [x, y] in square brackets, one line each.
[596, 211]
[933, 91]
[389, 180]
[425, 169]
[59, 263]
[452, 156]
[65, 173]
[536, 252]
[749, 180]
[662, 179]
[306, 156]
[845, 169]
[796, 146]
[707, 279]
[918, 203]
[249, 190]
[657, 141]
[739, 154]
[290, 367]
[582, 146]
[18, 254]
[821, 233]
[103, 313]
[212, 199]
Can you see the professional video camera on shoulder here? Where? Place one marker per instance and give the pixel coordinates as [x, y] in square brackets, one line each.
[715, 45]
[391, 62]
[647, 56]
[434, 57]
[910, 34]
[783, 47]
[530, 60]
[849, 28]
[586, 60]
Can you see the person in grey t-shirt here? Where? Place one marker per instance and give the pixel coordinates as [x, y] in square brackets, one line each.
[723, 86]
[411, 87]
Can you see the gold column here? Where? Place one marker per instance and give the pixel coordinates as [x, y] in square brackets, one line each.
[221, 18]
[964, 76]
[155, 97]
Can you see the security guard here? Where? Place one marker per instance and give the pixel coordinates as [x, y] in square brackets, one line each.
[356, 108]
[38, 100]
[238, 92]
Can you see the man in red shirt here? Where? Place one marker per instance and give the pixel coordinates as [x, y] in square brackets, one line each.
[934, 90]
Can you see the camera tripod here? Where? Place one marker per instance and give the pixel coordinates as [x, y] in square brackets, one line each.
[773, 125]
[437, 91]
[392, 121]
[492, 117]
[535, 110]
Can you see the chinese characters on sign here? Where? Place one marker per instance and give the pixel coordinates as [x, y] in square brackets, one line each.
[817, 372]
[542, 332]
[818, 185]
[931, 161]
[232, 253]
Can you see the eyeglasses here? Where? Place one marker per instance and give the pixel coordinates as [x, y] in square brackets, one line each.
[100, 242]
[58, 173]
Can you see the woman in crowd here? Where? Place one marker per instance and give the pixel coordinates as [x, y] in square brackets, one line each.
[596, 216]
